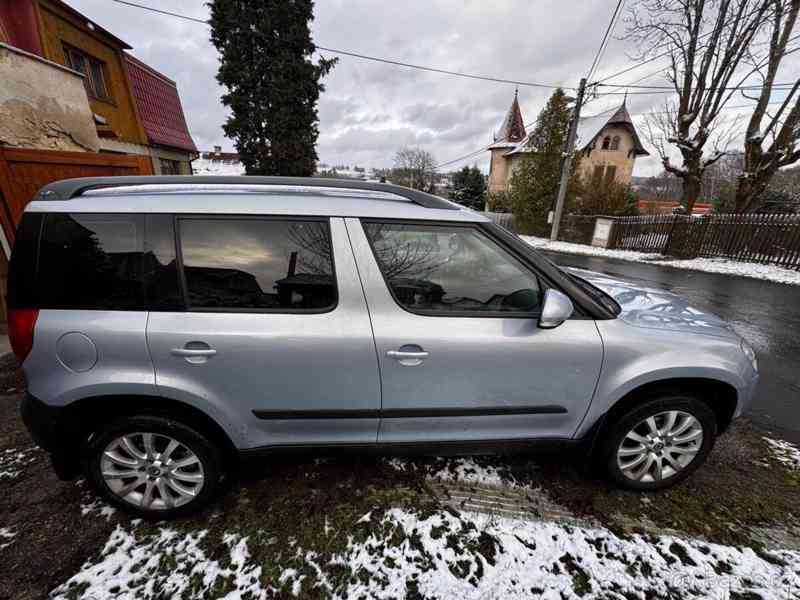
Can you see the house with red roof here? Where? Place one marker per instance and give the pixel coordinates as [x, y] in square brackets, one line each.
[133, 108]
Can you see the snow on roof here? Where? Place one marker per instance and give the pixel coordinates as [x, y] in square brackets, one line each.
[206, 166]
[588, 130]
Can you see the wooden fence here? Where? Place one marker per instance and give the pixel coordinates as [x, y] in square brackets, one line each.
[762, 238]
[503, 219]
[24, 171]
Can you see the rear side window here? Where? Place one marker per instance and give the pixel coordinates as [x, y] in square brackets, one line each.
[279, 265]
[452, 270]
[22, 292]
[89, 261]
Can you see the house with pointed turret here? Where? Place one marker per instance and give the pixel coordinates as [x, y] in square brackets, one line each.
[608, 146]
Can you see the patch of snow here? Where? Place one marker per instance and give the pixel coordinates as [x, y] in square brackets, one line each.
[205, 166]
[784, 452]
[132, 566]
[508, 558]
[707, 265]
[460, 470]
[95, 506]
[467, 470]
[7, 535]
[439, 555]
[13, 461]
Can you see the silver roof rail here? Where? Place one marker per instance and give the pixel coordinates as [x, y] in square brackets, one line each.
[67, 189]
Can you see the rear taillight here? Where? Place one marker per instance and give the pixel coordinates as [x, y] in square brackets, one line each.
[21, 322]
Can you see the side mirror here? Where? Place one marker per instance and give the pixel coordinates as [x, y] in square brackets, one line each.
[557, 309]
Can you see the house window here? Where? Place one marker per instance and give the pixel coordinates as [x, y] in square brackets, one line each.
[170, 167]
[92, 69]
[615, 143]
[597, 175]
[606, 142]
[611, 174]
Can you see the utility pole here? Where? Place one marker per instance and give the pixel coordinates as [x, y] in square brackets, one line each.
[566, 166]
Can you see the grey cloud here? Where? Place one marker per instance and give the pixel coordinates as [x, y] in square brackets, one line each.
[370, 110]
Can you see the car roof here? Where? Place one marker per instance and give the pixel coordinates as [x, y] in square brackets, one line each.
[246, 196]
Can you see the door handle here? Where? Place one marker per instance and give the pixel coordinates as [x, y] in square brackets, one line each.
[400, 354]
[409, 355]
[193, 352]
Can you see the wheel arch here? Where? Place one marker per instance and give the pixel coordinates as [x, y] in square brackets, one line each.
[82, 417]
[721, 397]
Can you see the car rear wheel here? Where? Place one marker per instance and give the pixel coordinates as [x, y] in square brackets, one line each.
[660, 442]
[153, 467]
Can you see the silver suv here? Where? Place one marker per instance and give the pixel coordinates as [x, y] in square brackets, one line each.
[168, 327]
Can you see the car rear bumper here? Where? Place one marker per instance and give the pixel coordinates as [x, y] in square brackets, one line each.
[50, 430]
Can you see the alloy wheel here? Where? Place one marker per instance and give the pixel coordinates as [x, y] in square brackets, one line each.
[660, 446]
[151, 470]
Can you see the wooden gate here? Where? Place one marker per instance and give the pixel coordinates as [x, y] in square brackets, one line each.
[23, 172]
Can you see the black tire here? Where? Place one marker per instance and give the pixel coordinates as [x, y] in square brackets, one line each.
[205, 451]
[627, 421]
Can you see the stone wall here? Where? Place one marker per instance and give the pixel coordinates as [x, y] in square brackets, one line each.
[43, 105]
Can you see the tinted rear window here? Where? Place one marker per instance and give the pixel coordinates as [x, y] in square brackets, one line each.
[277, 265]
[91, 262]
[22, 292]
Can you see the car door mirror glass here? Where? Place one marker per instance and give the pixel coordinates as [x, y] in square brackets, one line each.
[557, 308]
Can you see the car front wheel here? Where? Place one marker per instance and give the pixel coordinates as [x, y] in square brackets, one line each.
[660, 442]
[153, 467]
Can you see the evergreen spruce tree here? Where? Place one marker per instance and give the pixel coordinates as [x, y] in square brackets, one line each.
[272, 85]
[469, 188]
[535, 180]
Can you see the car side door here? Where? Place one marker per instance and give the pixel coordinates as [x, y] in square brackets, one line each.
[275, 340]
[455, 318]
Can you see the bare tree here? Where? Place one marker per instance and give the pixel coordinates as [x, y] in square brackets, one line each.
[708, 43]
[415, 168]
[779, 130]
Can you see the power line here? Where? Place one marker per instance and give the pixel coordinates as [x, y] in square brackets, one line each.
[477, 152]
[603, 44]
[163, 12]
[600, 114]
[444, 71]
[664, 112]
[668, 53]
[672, 89]
[372, 58]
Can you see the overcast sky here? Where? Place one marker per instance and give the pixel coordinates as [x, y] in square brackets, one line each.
[370, 110]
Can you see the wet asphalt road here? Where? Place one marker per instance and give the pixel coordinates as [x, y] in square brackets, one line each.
[766, 314]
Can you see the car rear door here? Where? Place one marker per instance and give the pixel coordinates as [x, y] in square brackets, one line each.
[455, 317]
[276, 339]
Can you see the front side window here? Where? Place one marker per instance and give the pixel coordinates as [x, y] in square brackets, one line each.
[273, 265]
[91, 262]
[451, 270]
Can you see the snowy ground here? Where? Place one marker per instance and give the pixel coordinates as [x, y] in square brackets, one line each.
[14, 460]
[709, 265]
[401, 553]
[429, 550]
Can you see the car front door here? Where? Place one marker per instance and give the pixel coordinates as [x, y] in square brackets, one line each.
[455, 319]
[275, 341]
